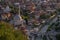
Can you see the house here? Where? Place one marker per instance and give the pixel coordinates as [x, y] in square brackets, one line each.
[30, 6]
[6, 16]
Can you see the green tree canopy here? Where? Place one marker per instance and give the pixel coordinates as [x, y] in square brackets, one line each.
[7, 32]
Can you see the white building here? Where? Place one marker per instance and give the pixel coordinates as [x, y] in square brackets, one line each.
[7, 9]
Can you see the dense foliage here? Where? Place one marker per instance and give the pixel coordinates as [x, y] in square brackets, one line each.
[7, 32]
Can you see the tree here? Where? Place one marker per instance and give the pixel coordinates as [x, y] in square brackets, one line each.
[58, 36]
[25, 15]
[44, 37]
[58, 11]
[7, 32]
[44, 16]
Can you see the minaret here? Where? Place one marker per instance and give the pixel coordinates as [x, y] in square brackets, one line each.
[20, 17]
[17, 18]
